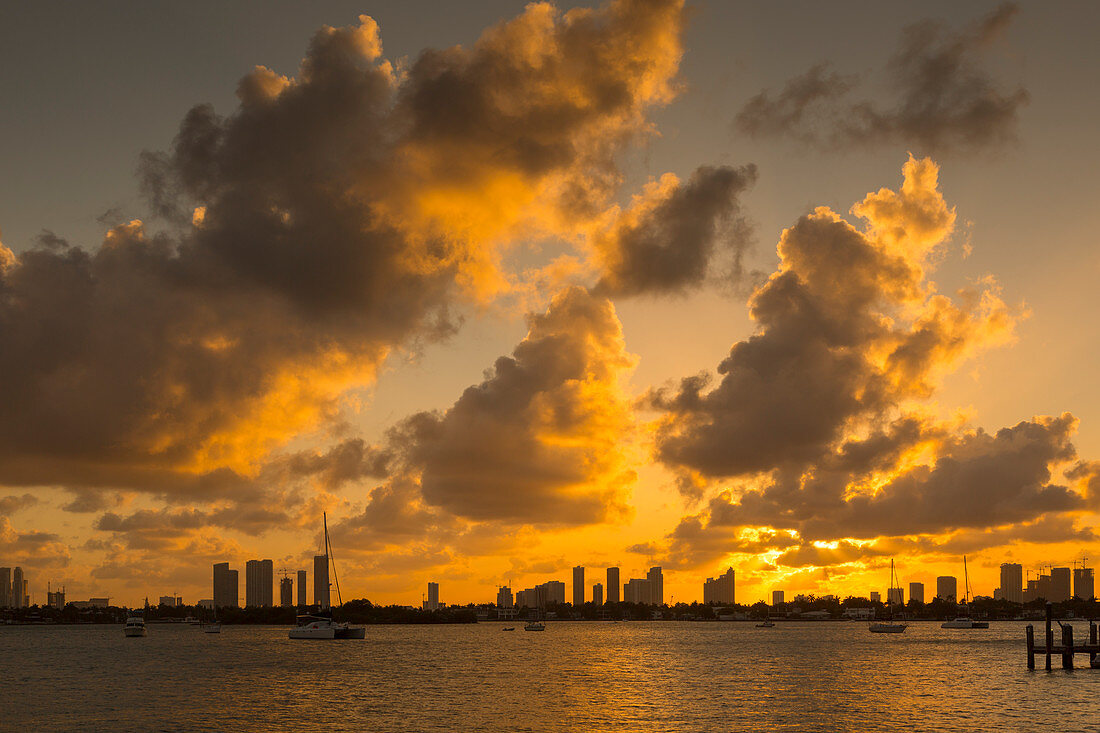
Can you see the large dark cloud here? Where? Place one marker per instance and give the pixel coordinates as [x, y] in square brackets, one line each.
[668, 242]
[327, 220]
[847, 328]
[944, 99]
[817, 423]
[975, 481]
[540, 440]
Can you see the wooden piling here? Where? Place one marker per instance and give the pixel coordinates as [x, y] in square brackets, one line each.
[1050, 632]
[1031, 646]
[1067, 646]
[1092, 640]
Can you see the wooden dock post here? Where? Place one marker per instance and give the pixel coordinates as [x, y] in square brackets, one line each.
[1067, 646]
[1092, 639]
[1050, 632]
[1031, 646]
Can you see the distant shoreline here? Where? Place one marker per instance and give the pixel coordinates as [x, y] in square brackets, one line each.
[777, 621]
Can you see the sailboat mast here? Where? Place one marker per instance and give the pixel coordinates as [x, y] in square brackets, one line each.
[331, 560]
[890, 594]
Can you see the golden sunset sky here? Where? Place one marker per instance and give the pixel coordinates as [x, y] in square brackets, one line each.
[793, 288]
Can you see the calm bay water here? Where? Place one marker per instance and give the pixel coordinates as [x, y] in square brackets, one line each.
[573, 677]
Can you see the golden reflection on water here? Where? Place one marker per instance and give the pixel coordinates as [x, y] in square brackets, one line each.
[573, 677]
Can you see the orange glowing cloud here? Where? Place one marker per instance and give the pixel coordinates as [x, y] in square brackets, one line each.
[821, 425]
[332, 217]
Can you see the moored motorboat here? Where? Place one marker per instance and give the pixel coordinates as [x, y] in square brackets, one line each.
[135, 626]
[765, 624]
[964, 622]
[534, 626]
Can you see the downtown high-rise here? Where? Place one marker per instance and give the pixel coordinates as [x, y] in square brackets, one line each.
[226, 586]
[720, 589]
[578, 586]
[1083, 584]
[259, 577]
[431, 603]
[613, 586]
[18, 589]
[1012, 582]
[649, 590]
[1061, 585]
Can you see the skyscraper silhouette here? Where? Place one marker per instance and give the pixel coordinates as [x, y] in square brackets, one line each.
[226, 588]
[613, 586]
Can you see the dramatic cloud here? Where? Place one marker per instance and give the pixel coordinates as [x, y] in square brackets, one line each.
[541, 439]
[974, 481]
[395, 515]
[348, 461]
[849, 328]
[945, 100]
[542, 442]
[977, 480]
[819, 423]
[666, 241]
[329, 219]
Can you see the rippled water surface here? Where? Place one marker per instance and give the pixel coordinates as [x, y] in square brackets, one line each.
[574, 676]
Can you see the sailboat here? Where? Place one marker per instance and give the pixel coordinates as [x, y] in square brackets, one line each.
[964, 621]
[320, 625]
[888, 626]
[212, 627]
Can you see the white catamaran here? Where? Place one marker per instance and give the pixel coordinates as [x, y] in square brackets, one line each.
[888, 626]
[964, 621]
[320, 625]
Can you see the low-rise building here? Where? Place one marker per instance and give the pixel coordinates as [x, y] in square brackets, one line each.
[859, 614]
